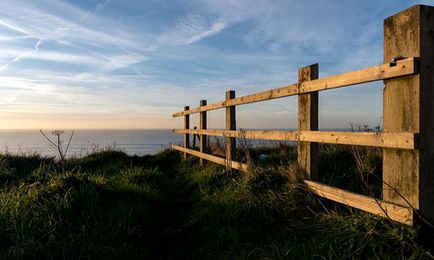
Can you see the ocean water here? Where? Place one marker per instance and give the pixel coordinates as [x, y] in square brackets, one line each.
[133, 142]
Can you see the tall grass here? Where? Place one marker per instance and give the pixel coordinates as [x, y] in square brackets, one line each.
[111, 205]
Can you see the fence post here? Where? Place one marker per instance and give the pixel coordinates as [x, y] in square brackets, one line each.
[230, 125]
[186, 126]
[203, 138]
[308, 120]
[408, 175]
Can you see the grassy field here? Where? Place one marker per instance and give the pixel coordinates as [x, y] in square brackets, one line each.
[114, 206]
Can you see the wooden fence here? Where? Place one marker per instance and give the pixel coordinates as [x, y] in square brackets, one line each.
[408, 109]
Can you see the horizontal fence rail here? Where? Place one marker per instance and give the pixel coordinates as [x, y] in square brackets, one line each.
[407, 139]
[365, 203]
[212, 158]
[401, 68]
[375, 206]
[385, 140]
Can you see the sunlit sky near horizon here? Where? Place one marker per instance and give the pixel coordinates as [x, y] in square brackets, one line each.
[132, 63]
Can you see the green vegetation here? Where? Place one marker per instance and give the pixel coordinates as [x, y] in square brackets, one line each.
[114, 206]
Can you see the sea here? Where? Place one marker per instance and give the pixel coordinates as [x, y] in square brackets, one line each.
[83, 142]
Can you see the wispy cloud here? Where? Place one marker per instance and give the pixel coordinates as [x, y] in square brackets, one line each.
[101, 5]
[17, 58]
[216, 28]
[190, 30]
[13, 27]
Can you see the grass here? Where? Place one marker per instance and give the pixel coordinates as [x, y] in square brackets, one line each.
[111, 206]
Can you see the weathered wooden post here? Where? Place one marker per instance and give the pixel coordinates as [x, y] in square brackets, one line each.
[230, 125]
[203, 138]
[308, 120]
[186, 126]
[408, 175]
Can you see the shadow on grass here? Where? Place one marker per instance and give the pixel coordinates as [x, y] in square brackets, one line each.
[115, 206]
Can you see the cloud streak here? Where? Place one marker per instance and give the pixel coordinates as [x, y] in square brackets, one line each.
[19, 57]
[216, 28]
[189, 30]
[13, 27]
[101, 5]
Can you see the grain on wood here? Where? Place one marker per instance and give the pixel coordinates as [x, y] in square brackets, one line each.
[308, 121]
[408, 107]
[389, 140]
[368, 204]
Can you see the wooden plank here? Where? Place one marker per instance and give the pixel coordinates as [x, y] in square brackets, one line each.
[390, 140]
[280, 92]
[231, 143]
[213, 106]
[385, 140]
[210, 132]
[401, 68]
[408, 107]
[203, 126]
[219, 160]
[375, 206]
[186, 126]
[307, 121]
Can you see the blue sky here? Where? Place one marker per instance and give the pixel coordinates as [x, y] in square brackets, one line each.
[132, 63]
